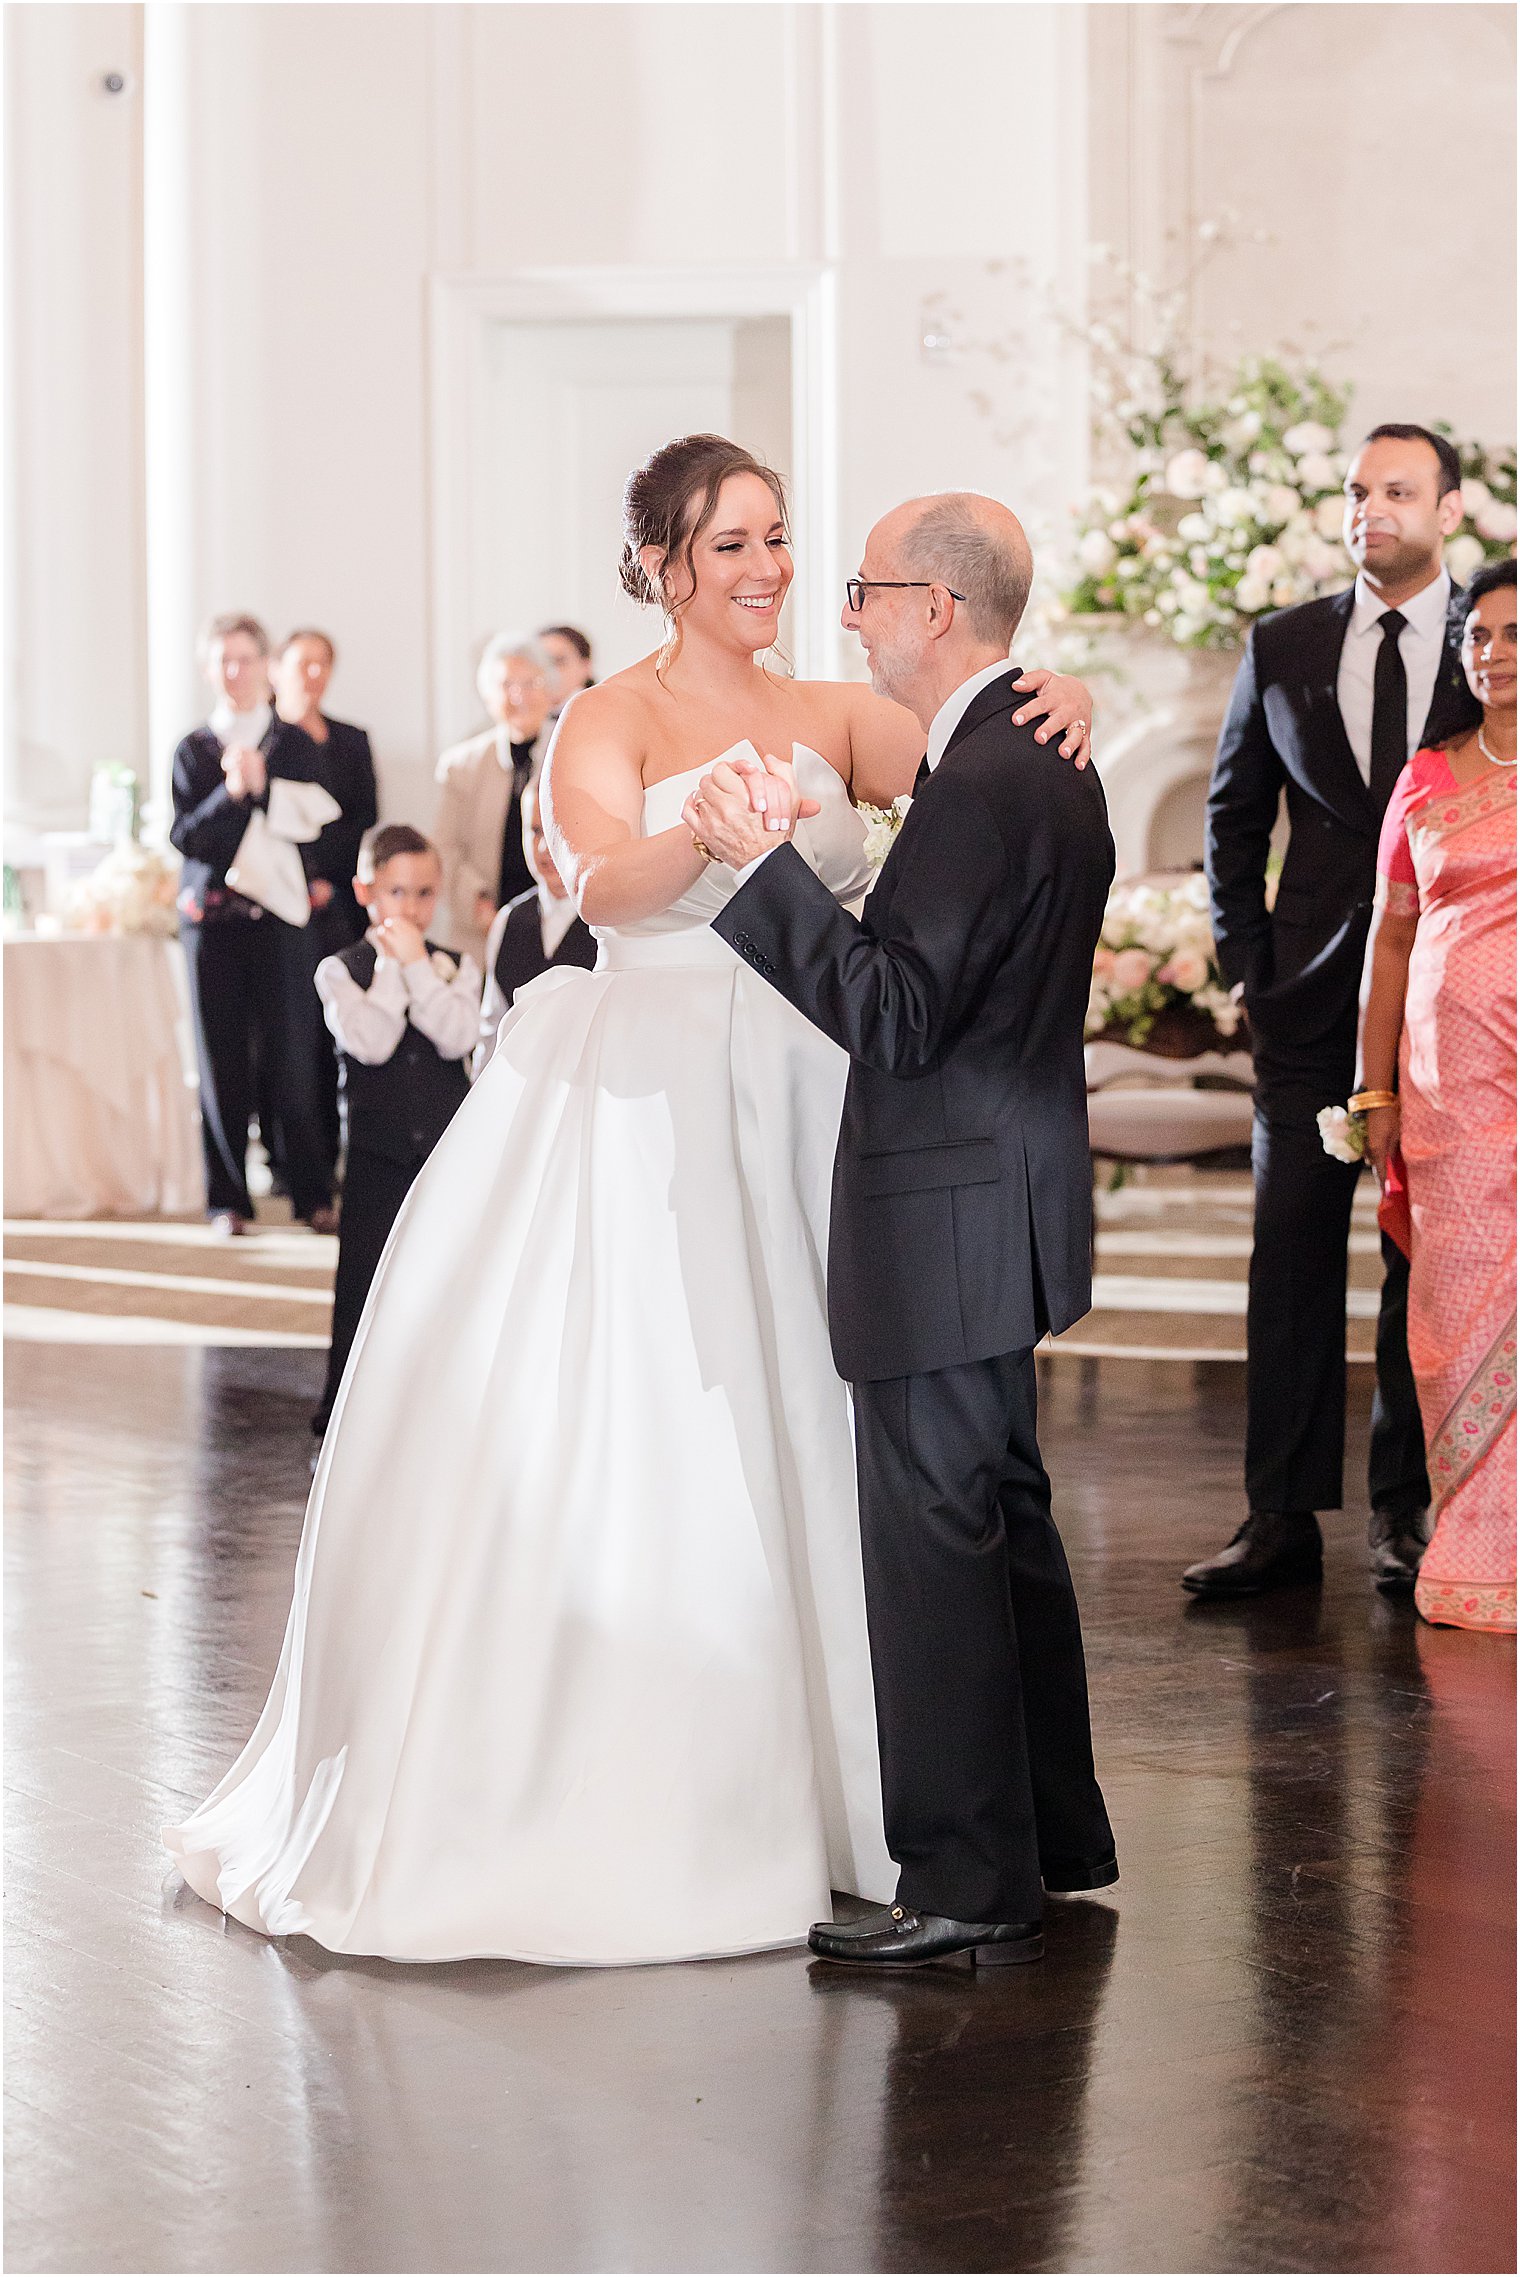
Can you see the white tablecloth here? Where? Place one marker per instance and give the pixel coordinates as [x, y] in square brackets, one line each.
[101, 1118]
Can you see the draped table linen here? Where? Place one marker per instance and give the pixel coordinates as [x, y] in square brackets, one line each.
[100, 1108]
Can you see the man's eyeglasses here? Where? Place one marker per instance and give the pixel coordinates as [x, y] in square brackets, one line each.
[856, 588]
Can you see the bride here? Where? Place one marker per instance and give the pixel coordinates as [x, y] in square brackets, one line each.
[576, 1669]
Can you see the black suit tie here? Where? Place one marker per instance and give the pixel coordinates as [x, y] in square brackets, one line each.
[924, 772]
[1390, 711]
[514, 876]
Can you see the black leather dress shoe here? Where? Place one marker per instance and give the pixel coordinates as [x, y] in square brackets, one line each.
[1068, 1877]
[1272, 1549]
[1396, 1542]
[899, 1938]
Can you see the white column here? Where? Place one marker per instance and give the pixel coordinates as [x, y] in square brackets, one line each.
[171, 356]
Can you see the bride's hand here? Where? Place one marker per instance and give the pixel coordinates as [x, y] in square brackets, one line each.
[1066, 706]
[760, 772]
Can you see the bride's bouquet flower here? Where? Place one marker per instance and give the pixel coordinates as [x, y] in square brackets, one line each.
[882, 825]
[130, 891]
[1155, 962]
[1343, 1133]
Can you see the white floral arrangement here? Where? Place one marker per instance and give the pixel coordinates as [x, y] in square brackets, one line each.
[1343, 1133]
[1155, 963]
[1228, 499]
[130, 891]
[882, 825]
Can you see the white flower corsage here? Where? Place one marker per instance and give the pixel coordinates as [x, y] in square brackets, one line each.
[882, 825]
[1343, 1133]
[443, 964]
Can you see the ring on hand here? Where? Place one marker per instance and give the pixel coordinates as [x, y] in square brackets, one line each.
[705, 851]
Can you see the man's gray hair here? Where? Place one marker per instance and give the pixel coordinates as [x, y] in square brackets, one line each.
[954, 543]
[510, 644]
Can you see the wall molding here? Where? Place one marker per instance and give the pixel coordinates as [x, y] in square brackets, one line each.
[461, 310]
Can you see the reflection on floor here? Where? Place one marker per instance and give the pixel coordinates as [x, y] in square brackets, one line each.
[1171, 1255]
[1285, 2044]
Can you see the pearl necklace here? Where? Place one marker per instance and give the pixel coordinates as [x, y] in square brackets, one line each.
[1496, 757]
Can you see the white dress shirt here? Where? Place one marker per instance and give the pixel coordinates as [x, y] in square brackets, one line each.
[246, 730]
[955, 707]
[556, 915]
[1420, 647]
[370, 1022]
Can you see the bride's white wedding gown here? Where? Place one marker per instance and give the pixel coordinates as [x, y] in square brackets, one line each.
[576, 1668]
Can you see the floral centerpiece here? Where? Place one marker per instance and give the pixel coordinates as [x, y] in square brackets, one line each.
[1156, 985]
[130, 891]
[1226, 500]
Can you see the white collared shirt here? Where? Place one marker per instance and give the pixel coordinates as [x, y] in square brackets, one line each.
[955, 707]
[1421, 644]
[556, 915]
[246, 730]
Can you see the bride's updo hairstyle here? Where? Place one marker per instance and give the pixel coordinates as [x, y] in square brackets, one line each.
[667, 504]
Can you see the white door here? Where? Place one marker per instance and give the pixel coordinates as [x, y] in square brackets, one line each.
[570, 408]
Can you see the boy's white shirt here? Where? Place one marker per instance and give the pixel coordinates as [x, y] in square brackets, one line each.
[369, 1023]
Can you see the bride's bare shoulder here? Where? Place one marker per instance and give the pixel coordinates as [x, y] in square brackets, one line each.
[617, 711]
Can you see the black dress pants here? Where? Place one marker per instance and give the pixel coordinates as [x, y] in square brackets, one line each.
[374, 1188]
[976, 1645]
[252, 1037]
[1296, 1310]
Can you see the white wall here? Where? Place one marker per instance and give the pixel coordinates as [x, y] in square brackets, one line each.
[74, 629]
[311, 169]
[312, 166]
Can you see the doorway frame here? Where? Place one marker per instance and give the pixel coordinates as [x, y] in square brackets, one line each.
[461, 311]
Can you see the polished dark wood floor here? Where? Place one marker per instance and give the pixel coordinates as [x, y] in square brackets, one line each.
[1284, 2043]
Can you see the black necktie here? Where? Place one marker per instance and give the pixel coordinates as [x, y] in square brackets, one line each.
[514, 876]
[1390, 711]
[924, 772]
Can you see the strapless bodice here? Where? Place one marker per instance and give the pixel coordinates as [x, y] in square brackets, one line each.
[831, 842]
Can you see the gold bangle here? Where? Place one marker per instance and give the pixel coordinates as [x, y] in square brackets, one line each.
[698, 847]
[1362, 1102]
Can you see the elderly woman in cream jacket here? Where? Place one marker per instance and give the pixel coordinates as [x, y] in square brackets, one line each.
[478, 824]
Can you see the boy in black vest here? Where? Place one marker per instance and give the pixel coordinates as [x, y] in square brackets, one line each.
[405, 1016]
[533, 932]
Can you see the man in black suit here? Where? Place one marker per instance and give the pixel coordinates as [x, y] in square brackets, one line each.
[1330, 701]
[254, 1023]
[961, 1231]
[345, 767]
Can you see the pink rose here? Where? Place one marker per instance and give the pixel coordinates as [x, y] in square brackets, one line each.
[1187, 970]
[1103, 963]
[1132, 969]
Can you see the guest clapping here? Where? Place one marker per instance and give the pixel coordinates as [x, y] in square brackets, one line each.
[241, 957]
[1436, 1080]
[346, 769]
[404, 1015]
[479, 822]
[569, 657]
[536, 930]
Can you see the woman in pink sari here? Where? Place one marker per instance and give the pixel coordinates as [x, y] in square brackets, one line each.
[1437, 1057]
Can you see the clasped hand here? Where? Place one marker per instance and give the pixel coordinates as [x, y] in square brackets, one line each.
[244, 771]
[744, 807]
[398, 940]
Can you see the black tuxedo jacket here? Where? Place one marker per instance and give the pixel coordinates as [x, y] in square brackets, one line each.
[346, 769]
[208, 822]
[1301, 962]
[962, 1209]
[520, 958]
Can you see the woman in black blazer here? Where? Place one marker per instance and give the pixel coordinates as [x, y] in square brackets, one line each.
[346, 769]
[253, 1035]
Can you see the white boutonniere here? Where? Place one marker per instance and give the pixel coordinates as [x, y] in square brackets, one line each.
[443, 964]
[1343, 1133]
[882, 825]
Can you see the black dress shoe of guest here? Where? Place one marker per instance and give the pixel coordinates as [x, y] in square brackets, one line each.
[903, 1939]
[1272, 1549]
[1067, 1877]
[1396, 1542]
